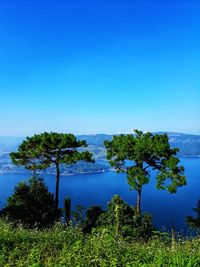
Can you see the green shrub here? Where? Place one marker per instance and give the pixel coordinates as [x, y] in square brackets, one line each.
[126, 220]
[91, 217]
[31, 204]
[66, 246]
[194, 222]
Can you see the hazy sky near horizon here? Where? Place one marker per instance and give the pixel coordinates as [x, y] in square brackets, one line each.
[99, 66]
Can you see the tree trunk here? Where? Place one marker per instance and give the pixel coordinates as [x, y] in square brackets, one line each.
[67, 205]
[117, 219]
[139, 201]
[57, 186]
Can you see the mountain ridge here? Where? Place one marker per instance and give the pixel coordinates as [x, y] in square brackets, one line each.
[188, 144]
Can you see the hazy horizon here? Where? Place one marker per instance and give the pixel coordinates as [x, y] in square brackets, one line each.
[171, 132]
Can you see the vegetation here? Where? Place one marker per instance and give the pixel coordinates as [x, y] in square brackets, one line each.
[67, 207]
[46, 149]
[120, 236]
[138, 154]
[194, 222]
[91, 218]
[31, 204]
[68, 246]
[126, 221]
[188, 144]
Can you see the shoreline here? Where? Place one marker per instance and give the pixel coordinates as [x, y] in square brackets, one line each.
[62, 174]
[80, 173]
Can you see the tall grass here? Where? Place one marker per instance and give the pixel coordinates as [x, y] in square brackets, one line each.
[67, 246]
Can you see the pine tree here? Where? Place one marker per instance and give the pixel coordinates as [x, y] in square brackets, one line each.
[138, 154]
[43, 150]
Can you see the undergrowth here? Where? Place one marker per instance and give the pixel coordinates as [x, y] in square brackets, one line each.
[68, 246]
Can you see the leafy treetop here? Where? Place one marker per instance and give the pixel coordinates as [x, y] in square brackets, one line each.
[40, 151]
[137, 154]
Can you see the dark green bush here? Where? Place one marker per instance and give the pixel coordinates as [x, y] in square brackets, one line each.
[91, 218]
[126, 220]
[67, 209]
[194, 222]
[31, 205]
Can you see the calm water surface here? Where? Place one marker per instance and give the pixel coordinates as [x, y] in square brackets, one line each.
[98, 188]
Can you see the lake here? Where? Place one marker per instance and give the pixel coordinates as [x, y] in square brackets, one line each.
[98, 188]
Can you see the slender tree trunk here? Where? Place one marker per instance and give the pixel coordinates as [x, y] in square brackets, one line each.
[67, 204]
[117, 219]
[139, 201]
[57, 186]
[173, 239]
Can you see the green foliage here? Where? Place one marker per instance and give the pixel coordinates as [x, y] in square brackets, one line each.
[67, 208]
[43, 150]
[145, 152]
[91, 218]
[67, 247]
[109, 217]
[31, 204]
[78, 216]
[195, 222]
[125, 220]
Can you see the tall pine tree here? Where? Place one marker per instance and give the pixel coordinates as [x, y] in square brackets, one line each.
[43, 150]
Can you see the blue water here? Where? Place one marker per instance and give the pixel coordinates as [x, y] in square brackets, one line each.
[98, 188]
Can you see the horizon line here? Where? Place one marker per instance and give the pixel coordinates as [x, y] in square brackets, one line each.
[101, 133]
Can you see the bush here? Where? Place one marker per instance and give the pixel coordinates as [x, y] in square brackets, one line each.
[63, 246]
[194, 222]
[126, 220]
[31, 204]
[91, 218]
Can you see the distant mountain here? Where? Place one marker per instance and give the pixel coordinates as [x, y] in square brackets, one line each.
[95, 139]
[188, 144]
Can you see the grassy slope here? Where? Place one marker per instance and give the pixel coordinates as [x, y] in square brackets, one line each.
[67, 247]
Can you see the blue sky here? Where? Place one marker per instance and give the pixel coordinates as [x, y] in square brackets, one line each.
[99, 66]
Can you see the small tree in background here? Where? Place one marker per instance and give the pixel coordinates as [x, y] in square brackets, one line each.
[194, 222]
[43, 150]
[78, 216]
[91, 217]
[67, 208]
[124, 220]
[31, 204]
[145, 152]
[111, 218]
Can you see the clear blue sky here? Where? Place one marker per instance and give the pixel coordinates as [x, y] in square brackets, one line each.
[99, 66]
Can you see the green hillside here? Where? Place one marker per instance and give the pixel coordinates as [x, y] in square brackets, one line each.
[68, 247]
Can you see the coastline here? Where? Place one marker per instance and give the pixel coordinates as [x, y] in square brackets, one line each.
[107, 169]
[62, 174]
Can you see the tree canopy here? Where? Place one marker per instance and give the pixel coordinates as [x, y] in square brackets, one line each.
[31, 204]
[43, 150]
[125, 219]
[137, 154]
